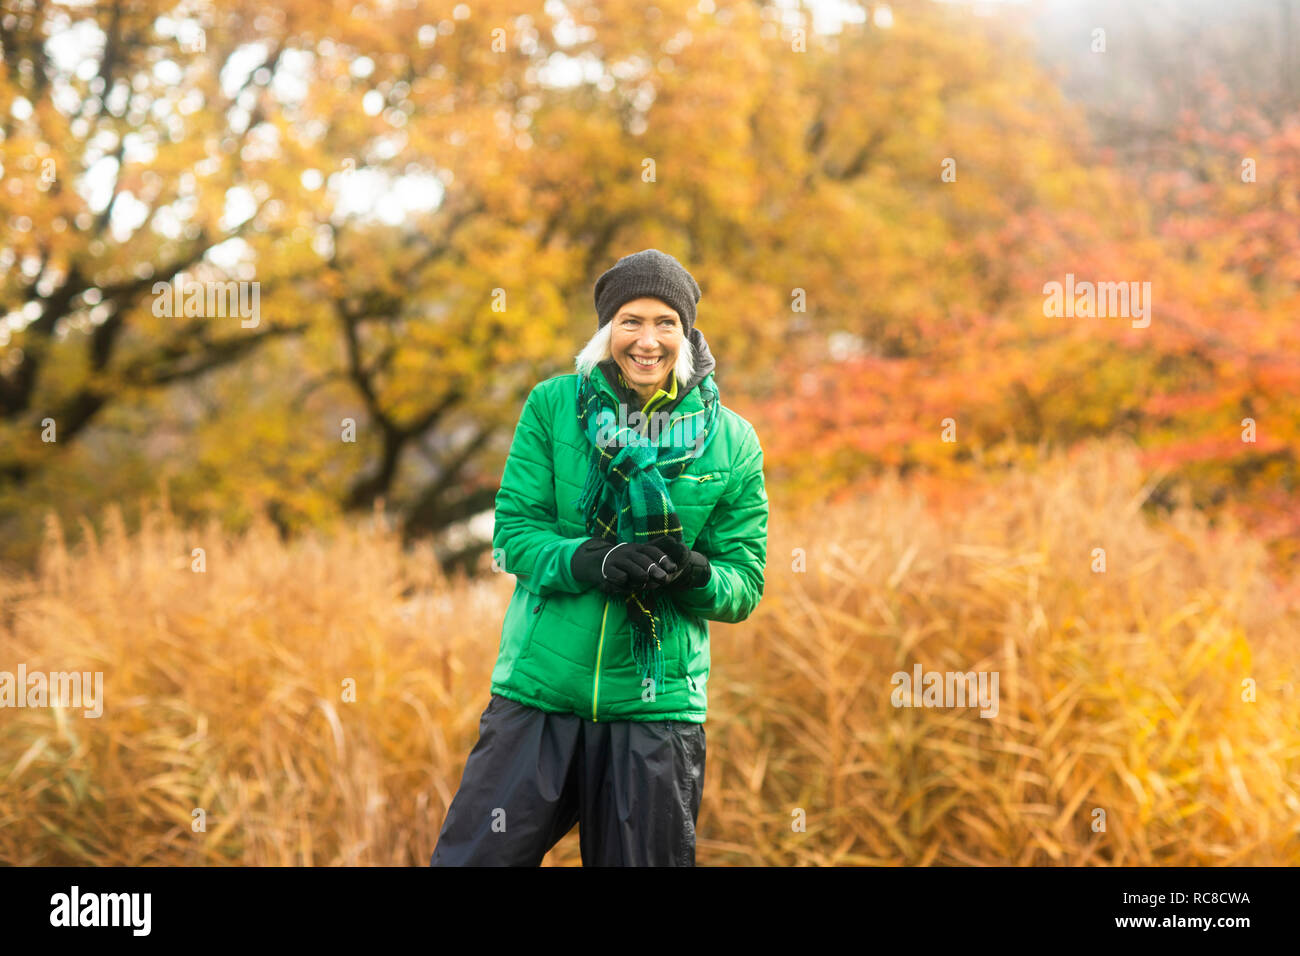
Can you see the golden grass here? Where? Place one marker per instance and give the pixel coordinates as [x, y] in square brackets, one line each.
[1120, 691]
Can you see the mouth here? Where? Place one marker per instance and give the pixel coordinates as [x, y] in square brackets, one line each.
[641, 361]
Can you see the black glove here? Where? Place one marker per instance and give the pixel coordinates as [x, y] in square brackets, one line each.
[621, 568]
[693, 568]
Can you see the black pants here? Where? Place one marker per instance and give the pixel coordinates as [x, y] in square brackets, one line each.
[633, 788]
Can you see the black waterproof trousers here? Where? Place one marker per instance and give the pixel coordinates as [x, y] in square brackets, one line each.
[633, 788]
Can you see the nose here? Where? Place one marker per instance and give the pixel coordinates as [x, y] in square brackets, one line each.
[648, 339]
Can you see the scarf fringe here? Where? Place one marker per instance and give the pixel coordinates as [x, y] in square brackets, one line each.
[647, 645]
[586, 502]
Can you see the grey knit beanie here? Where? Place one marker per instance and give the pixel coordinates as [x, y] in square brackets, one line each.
[647, 273]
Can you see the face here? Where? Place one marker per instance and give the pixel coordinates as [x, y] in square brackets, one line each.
[645, 337]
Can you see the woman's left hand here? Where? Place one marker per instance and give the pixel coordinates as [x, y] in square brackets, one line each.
[692, 568]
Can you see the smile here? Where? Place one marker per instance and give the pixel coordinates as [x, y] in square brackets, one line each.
[643, 362]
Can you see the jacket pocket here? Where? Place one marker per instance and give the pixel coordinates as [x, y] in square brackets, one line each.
[535, 612]
[700, 491]
[683, 651]
[694, 498]
[687, 644]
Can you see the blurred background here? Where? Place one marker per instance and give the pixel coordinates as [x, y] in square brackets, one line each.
[276, 279]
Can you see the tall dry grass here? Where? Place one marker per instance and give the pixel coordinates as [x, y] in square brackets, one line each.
[1119, 691]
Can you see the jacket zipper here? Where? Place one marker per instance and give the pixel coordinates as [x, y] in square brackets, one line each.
[595, 687]
[700, 478]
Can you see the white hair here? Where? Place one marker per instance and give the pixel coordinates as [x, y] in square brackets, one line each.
[597, 350]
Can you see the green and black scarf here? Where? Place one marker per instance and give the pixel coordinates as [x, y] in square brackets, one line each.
[626, 496]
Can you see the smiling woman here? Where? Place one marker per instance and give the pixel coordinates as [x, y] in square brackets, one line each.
[624, 545]
[649, 350]
[645, 339]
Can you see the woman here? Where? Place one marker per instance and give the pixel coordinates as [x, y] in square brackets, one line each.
[632, 512]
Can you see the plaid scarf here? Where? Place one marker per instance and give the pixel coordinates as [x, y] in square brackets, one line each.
[626, 497]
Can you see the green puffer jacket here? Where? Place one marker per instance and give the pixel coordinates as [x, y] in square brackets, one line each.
[566, 646]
